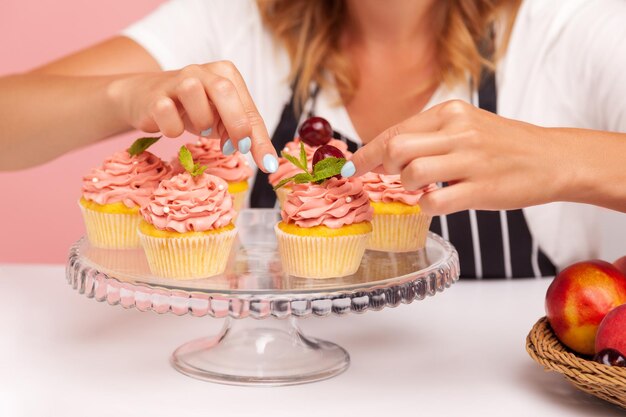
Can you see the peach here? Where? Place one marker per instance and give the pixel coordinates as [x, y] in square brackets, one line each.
[621, 264]
[579, 298]
[612, 331]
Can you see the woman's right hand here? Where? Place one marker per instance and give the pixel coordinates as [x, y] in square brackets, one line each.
[204, 98]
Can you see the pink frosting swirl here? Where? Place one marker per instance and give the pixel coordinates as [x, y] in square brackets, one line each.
[207, 152]
[190, 204]
[388, 188]
[125, 178]
[335, 203]
[286, 169]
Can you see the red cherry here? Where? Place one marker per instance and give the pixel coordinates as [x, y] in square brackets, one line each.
[315, 131]
[327, 151]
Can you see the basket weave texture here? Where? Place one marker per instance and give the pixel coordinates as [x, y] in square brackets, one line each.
[606, 382]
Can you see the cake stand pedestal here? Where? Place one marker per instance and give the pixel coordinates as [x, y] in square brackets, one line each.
[262, 352]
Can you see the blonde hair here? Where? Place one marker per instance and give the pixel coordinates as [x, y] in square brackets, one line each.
[310, 31]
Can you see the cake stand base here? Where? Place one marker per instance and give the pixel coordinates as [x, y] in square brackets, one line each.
[271, 352]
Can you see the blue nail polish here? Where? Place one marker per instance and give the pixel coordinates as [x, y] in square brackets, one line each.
[206, 133]
[270, 163]
[348, 170]
[244, 145]
[228, 148]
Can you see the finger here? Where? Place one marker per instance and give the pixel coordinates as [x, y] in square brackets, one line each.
[213, 132]
[194, 100]
[261, 146]
[371, 156]
[165, 114]
[404, 148]
[368, 158]
[448, 200]
[422, 172]
[221, 133]
[224, 96]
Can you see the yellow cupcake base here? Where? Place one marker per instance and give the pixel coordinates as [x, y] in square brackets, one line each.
[325, 231]
[399, 232]
[394, 207]
[193, 256]
[237, 187]
[110, 227]
[320, 257]
[112, 208]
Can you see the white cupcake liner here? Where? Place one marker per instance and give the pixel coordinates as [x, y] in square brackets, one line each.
[399, 232]
[320, 257]
[194, 257]
[111, 230]
[281, 195]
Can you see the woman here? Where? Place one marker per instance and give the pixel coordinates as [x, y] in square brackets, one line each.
[231, 65]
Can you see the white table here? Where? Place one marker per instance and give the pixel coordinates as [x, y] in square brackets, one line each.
[458, 353]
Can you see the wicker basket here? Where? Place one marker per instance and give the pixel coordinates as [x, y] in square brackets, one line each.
[606, 382]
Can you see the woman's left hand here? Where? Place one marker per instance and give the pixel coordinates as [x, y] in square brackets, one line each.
[489, 162]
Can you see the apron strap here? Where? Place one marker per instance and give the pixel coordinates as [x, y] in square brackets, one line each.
[263, 195]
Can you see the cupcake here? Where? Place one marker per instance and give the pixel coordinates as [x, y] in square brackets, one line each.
[399, 224]
[188, 229]
[114, 193]
[234, 168]
[314, 133]
[325, 222]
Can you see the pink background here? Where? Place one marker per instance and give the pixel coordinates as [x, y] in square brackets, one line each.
[39, 214]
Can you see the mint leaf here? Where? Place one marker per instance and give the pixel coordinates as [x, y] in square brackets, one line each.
[293, 160]
[141, 145]
[185, 158]
[198, 170]
[303, 178]
[303, 160]
[327, 163]
[327, 168]
[283, 182]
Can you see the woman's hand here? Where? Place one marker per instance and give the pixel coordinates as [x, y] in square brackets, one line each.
[209, 100]
[489, 161]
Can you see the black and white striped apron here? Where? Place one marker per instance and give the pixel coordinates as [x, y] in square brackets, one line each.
[491, 244]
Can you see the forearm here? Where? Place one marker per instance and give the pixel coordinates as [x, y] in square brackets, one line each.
[595, 164]
[44, 116]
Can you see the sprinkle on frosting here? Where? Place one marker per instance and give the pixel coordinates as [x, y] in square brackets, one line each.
[286, 169]
[310, 205]
[124, 178]
[207, 152]
[388, 189]
[190, 204]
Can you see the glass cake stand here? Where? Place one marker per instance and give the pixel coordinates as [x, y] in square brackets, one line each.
[262, 352]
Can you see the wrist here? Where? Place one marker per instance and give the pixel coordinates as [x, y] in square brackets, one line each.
[567, 172]
[117, 93]
[581, 164]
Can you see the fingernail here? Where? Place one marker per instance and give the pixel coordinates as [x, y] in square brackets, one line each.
[270, 163]
[207, 132]
[228, 148]
[244, 145]
[348, 170]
